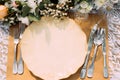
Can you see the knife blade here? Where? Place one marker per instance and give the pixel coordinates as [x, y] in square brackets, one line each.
[90, 43]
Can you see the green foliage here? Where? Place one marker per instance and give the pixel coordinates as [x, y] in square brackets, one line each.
[25, 10]
[41, 6]
[22, 9]
[37, 12]
[46, 1]
[3, 1]
[32, 17]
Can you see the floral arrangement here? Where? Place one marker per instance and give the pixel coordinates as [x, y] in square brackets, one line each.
[26, 11]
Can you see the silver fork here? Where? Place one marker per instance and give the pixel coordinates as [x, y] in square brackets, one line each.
[90, 43]
[16, 41]
[20, 62]
[98, 40]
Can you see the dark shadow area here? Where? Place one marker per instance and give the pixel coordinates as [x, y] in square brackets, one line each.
[54, 1]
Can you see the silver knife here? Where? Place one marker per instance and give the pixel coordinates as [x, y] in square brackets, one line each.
[90, 43]
[104, 55]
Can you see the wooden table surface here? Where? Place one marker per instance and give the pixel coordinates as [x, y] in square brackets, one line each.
[86, 25]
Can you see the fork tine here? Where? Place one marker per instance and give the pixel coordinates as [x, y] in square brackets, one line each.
[98, 31]
[104, 32]
[101, 31]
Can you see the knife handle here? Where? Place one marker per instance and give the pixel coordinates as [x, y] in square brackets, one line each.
[86, 61]
[105, 68]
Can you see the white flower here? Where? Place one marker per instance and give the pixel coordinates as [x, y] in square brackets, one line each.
[21, 0]
[82, 10]
[99, 3]
[24, 20]
[85, 7]
[84, 4]
[13, 0]
[62, 1]
[114, 1]
[38, 1]
[32, 4]
[89, 7]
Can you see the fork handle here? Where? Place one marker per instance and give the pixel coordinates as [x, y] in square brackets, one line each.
[15, 52]
[15, 61]
[20, 64]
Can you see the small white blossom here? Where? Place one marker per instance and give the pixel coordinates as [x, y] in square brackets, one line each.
[38, 1]
[99, 3]
[62, 1]
[114, 1]
[7, 5]
[84, 4]
[32, 4]
[89, 7]
[82, 10]
[24, 20]
[20, 0]
[13, 0]
[85, 7]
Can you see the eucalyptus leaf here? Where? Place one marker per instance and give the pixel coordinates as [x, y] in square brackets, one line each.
[37, 12]
[46, 1]
[41, 6]
[90, 1]
[32, 17]
[25, 10]
[77, 2]
[19, 4]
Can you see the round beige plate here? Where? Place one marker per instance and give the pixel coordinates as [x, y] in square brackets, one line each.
[53, 49]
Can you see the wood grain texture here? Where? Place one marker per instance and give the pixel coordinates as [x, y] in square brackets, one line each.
[86, 26]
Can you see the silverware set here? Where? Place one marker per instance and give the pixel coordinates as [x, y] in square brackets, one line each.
[97, 37]
[18, 66]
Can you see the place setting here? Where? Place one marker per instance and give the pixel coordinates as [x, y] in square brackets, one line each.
[59, 40]
[97, 37]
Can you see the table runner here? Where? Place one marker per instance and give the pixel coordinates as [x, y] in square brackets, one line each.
[114, 43]
[4, 34]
